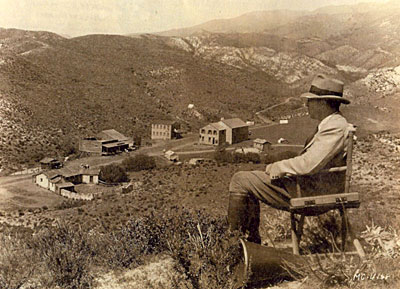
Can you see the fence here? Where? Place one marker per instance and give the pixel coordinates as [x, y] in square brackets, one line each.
[75, 196]
[27, 171]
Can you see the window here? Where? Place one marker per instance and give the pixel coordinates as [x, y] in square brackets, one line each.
[209, 131]
[215, 132]
[203, 131]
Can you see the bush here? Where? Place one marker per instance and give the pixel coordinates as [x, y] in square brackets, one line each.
[66, 255]
[113, 174]
[222, 156]
[15, 262]
[138, 163]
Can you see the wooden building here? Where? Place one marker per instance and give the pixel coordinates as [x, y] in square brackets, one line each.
[105, 143]
[212, 134]
[50, 163]
[164, 130]
[262, 144]
[236, 130]
[66, 179]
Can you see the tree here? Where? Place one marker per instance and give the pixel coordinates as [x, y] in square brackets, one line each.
[138, 163]
[113, 174]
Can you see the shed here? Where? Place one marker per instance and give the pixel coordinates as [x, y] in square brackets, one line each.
[90, 176]
[172, 156]
[50, 163]
[261, 144]
[64, 186]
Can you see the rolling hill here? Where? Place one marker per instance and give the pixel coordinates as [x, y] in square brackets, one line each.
[55, 90]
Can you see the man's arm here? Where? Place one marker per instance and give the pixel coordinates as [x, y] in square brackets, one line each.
[329, 141]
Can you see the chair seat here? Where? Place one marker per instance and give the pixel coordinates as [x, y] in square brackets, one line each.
[316, 205]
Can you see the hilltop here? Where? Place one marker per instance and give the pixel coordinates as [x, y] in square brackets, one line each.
[55, 90]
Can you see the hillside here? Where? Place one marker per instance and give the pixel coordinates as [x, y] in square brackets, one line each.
[55, 90]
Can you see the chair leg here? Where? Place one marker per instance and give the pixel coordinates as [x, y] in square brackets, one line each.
[295, 240]
[344, 227]
[297, 231]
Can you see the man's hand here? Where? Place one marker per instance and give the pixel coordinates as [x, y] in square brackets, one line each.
[273, 174]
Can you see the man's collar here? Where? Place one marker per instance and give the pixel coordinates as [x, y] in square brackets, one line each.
[328, 117]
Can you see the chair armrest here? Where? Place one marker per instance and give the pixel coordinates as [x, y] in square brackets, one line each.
[334, 170]
[349, 200]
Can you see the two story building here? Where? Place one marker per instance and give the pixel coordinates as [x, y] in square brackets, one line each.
[164, 130]
[230, 131]
[212, 134]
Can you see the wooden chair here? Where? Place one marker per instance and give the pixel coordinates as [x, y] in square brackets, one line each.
[317, 205]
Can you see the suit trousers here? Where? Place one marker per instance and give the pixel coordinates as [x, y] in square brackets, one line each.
[275, 193]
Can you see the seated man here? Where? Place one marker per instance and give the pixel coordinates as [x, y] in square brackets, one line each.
[276, 186]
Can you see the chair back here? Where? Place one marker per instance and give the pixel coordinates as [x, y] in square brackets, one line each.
[349, 159]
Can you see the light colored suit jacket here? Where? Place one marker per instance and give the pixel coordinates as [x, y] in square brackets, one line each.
[325, 150]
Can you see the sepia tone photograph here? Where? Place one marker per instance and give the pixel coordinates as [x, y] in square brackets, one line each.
[199, 144]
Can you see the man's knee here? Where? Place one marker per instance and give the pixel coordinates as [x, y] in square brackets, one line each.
[240, 177]
[239, 181]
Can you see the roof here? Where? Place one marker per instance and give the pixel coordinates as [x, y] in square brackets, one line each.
[169, 153]
[48, 160]
[51, 174]
[65, 172]
[215, 125]
[90, 171]
[56, 179]
[65, 185]
[113, 134]
[261, 141]
[234, 122]
[114, 144]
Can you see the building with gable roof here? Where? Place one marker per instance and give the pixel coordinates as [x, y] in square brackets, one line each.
[231, 131]
[262, 144]
[50, 163]
[236, 130]
[112, 134]
[66, 179]
[212, 134]
[106, 142]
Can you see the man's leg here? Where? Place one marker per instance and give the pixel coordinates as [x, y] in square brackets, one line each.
[245, 190]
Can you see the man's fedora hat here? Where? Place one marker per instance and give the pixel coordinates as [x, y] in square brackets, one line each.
[323, 87]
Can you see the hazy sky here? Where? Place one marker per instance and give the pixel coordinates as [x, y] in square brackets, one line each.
[79, 17]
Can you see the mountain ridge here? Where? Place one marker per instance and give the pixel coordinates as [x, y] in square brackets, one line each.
[56, 90]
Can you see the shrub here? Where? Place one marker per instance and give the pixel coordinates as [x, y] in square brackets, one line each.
[66, 256]
[113, 174]
[204, 248]
[222, 156]
[138, 163]
[15, 262]
[128, 246]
